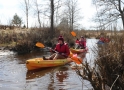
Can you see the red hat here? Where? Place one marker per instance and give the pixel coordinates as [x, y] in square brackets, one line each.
[61, 38]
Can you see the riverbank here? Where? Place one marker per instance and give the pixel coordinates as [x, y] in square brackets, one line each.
[24, 40]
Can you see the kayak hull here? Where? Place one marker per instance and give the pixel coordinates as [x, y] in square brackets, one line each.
[38, 63]
[100, 43]
[77, 51]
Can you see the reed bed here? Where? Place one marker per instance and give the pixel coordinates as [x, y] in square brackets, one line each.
[108, 70]
[23, 41]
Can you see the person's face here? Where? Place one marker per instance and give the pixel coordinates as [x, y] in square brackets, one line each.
[81, 38]
[60, 41]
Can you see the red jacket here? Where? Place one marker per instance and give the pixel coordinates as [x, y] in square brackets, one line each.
[77, 41]
[63, 49]
[102, 39]
[82, 43]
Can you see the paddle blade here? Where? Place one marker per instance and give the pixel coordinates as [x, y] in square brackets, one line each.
[73, 33]
[38, 44]
[76, 59]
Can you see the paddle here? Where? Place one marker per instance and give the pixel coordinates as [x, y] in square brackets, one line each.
[73, 57]
[73, 33]
[41, 45]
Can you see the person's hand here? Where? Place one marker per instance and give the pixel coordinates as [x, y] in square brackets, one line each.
[62, 53]
[51, 50]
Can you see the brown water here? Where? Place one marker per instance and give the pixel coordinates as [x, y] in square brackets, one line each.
[14, 75]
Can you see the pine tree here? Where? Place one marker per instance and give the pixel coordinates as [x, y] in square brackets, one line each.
[16, 21]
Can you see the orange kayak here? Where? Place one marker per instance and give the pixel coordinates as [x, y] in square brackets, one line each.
[38, 63]
[78, 51]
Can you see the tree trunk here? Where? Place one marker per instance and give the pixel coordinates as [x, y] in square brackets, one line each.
[39, 19]
[38, 14]
[52, 18]
[121, 12]
[26, 6]
[27, 17]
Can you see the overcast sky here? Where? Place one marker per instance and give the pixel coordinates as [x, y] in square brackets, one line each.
[8, 10]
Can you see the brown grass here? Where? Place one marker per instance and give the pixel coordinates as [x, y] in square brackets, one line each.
[109, 66]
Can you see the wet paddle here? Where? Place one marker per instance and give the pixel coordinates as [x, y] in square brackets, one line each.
[73, 57]
[73, 33]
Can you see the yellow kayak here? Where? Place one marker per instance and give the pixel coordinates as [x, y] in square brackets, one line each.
[38, 63]
[78, 51]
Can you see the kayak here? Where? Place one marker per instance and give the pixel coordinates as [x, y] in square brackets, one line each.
[78, 51]
[100, 43]
[38, 63]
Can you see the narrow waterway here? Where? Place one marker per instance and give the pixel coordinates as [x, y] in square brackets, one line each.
[14, 74]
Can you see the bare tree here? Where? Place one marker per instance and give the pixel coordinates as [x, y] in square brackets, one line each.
[58, 4]
[52, 17]
[109, 11]
[27, 6]
[38, 11]
[72, 12]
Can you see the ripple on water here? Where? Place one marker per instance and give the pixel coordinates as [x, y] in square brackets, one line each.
[12, 74]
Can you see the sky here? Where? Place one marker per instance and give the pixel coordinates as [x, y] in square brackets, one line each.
[8, 10]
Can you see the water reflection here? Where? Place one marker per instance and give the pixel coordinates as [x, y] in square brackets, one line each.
[38, 73]
[12, 75]
[62, 74]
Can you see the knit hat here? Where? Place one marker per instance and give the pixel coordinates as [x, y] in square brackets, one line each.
[61, 38]
[82, 37]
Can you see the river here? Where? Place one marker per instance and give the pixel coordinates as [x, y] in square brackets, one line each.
[15, 76]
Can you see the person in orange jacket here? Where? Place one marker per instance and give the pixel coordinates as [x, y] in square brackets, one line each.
[62, 50]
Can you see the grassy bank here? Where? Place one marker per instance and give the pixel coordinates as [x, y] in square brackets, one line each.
[108, 70]
[23, 41]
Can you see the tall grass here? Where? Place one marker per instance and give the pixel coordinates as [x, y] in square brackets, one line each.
[23, 41]
[108, 69]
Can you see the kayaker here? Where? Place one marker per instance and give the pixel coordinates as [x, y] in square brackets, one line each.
[102, 39]
[62, 49]
[77, 43]
[82, 43]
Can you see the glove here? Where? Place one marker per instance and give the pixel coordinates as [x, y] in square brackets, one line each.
[63, 54]
[51, 50]
[60, 53]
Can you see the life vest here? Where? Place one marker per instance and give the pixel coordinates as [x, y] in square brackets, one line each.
[82, 43]
[107, 40]
[102, 39]
[77, 41]
[63, 49]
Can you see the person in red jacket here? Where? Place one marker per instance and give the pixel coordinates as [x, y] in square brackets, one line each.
[77, 43]
[102, 39]
[82, 42]
[62, 50]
